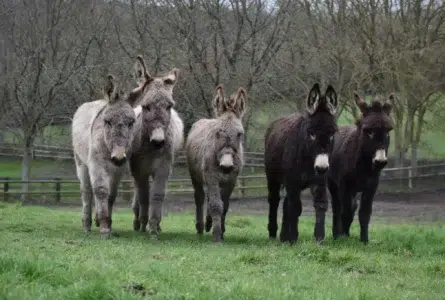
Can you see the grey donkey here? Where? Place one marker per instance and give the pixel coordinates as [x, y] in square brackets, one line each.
[159, 135]
[102, 133]
[215, 157]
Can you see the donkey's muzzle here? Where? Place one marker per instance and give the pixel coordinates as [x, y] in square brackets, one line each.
[157, 138]
[379, 161]
[118, 156]
[321, 164]
[226, 163]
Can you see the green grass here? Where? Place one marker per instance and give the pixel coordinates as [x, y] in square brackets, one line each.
[44, 255]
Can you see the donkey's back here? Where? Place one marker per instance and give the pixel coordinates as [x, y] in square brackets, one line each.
[81, 126]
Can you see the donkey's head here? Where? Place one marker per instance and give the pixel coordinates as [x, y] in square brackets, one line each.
[375, 125]
[155, 95]
[229, 135]
[321, 125]
[118, 118]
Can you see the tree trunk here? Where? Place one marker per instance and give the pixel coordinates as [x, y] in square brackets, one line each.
[414, 158]
[26, 169]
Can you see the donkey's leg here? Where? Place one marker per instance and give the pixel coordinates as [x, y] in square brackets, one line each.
[199, 203]
[142, 194]
[336, 197]
[160, 180]
[348, 213]
[273, 198]
[101, 189]
[208, 224]
[86, 195]
[284, 231]
[215, 205]
[294, 207]
[365, 211]
[320, 200]
[111, 199]
[226, 191]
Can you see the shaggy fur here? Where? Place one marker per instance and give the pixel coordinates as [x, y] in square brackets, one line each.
[101, 137]
[215, 158]
[359, 154]
[297, 151]
[158, 137]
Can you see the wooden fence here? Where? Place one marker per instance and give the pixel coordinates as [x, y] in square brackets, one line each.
[252, 159]
[430, 177]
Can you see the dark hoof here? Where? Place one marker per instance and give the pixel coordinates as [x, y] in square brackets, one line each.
[199, 228]
[115, 234]
[144, 228]
[96, 221]
[364, 241]
[136, 225]
[338, 236]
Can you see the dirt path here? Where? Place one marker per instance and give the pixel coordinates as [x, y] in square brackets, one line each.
[421, 206]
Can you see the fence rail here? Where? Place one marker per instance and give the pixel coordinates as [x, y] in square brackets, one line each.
[252, 159]
[430, 177]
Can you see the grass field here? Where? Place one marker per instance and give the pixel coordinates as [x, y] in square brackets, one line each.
[44, 255]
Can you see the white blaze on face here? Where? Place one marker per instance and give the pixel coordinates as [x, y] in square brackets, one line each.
[380, 156]
[321, 161]
[226, 161]
[157, 135]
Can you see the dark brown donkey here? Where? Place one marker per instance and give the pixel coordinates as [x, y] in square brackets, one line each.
[297, 151]
[359, 154]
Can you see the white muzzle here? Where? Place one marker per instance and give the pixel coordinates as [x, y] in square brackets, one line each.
[157, 135]
[380, 156]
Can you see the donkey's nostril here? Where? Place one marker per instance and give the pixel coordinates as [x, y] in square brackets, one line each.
[226, 169]
[158, 144]
[118, 161]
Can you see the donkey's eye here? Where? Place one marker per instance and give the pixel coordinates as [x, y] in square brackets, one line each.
[107, 122]
[169, 106]
[146, 107]
[131, 123]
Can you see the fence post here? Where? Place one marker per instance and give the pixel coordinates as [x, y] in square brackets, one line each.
[58, 188]
[6, 189]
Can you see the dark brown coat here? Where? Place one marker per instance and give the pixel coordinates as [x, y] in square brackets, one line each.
[297, 151]
[358, 156]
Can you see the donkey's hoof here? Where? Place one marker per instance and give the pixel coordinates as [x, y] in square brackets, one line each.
[153, 235]
[105, 235]
[136, 225]
[96, 221]
[199, 228]
[115, 234]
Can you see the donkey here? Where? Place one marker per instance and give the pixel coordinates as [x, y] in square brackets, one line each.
[102, 132]
[159, 135]
[215, 157]
[297, 149]
[358, 156]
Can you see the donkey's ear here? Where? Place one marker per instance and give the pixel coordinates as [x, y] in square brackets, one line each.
[361, 104]
[110, 89]
[389, 103]
[238, 103]
[140, 71]
[171, 77]
[218, 101]
[331, 99]
[313, 99]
